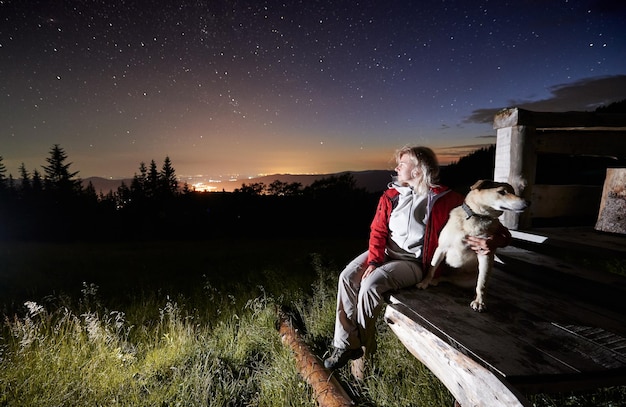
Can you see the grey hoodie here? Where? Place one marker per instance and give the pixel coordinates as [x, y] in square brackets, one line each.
[407, 224]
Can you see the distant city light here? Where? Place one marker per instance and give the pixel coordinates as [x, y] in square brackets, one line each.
[202, 187]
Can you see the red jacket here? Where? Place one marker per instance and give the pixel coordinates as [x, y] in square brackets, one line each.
[444, 200]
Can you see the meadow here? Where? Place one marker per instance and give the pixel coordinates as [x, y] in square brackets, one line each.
[190, 324]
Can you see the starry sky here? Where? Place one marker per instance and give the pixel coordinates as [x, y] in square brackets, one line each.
[247, 87]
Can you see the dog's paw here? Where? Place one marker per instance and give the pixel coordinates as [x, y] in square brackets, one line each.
[428, 282]
[478, 306]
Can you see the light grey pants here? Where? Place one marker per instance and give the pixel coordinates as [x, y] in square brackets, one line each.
[359, 302]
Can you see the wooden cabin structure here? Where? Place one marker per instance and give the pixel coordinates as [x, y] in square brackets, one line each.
[526, 140]
[550, 325]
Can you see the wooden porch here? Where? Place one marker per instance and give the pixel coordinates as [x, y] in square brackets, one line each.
[550, 326]
[555, 319]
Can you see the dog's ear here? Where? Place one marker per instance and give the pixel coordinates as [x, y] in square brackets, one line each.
[482, 184]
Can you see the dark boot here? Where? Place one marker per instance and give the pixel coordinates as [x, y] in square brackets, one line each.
[340, 357]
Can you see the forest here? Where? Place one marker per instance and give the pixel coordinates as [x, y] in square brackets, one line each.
[53, 205]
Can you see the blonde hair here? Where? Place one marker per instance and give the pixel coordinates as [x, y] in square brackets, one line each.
[426, 161]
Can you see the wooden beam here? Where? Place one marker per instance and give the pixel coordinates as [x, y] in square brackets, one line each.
[520, 117]
[576, 142]
[470, 383]
[550, 201]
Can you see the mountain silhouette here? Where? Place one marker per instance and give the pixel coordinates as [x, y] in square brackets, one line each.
[459, 175]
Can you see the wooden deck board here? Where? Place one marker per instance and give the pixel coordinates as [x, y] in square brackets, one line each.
[479, 334]
[584, 239]
[525, 257]
[469, 382]
[561, 299]
[536, 337]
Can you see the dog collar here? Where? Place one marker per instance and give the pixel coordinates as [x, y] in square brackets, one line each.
[468, 211]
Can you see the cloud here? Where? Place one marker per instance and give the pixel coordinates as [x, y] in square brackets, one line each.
[583, 95]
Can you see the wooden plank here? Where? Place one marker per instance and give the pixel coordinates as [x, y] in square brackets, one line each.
[533, 346]
[512, 256]
[526, 335]
[540, 291]
[563, 299]
[469, 382]
[581, 239]
[564, 200]
[520, 117]
[582, 142]
[445, 311]
[413, 333]
[591, 348]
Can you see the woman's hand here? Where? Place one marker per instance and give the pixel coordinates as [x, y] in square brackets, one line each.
[481, 245]
[486, 245]
[368, 271]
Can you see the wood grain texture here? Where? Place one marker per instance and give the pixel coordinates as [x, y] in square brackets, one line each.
[543, 330]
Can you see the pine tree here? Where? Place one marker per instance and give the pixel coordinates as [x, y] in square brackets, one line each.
[138, 184]
[169, 183]
[90, 192]
[25, 182]
[3, 178]
[37, 182]
[124, 195]
[152, 185]
[57, 175]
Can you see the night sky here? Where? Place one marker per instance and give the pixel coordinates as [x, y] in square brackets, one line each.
[252, 87]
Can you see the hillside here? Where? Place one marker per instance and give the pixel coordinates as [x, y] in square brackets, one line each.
[104, 185]
[372, 181]
[459, 175]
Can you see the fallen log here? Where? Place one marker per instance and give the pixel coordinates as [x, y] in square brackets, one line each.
[326, 389]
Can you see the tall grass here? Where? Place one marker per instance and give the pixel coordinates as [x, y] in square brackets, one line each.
[215, 344]
[167, 354]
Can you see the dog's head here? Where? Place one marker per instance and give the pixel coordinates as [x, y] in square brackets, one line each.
[495, 196]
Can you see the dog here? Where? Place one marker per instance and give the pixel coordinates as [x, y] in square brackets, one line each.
[478, 216]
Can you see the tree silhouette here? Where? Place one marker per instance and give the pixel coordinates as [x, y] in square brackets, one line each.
[152, 184]
[255, 188]
[57, 175]
[3, 178]
[138, 184]
[25, 183]
[37, 182]
[51, 206]
[336, 186]
[469, 169]
[124, 195]
[615, 107]
[279, 188]
[168, 181]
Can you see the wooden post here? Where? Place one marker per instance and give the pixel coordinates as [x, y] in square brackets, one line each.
[516, 162]
[612, 213]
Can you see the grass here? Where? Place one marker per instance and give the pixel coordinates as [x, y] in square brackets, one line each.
[189, 324]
